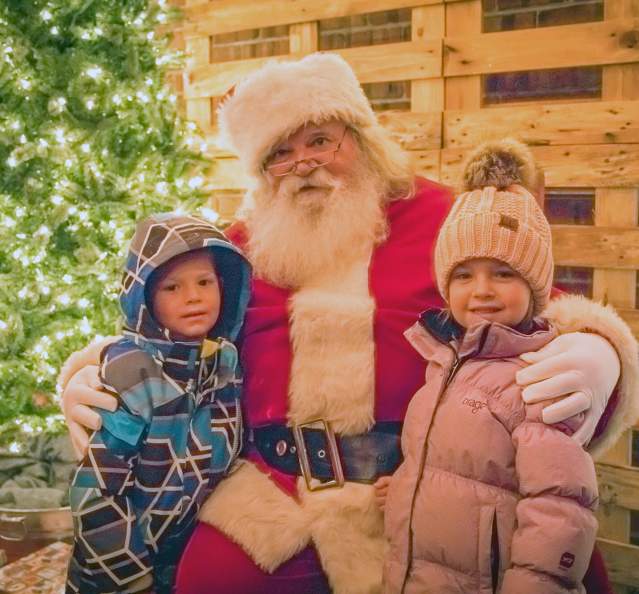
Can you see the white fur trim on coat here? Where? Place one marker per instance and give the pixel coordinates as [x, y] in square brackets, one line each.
[348, 531]
[277, 99]
[333, 366]
[252, 511]
[89, 355]
[574, 313]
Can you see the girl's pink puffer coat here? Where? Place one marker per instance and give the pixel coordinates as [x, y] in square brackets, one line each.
[488, 498]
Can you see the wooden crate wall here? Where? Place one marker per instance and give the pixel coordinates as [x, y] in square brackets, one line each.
[590, 143]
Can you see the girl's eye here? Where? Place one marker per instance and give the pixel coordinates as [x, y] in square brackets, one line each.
[321, 141]
[461, 275]
[207, 281]
[505, 274]
[169, 288]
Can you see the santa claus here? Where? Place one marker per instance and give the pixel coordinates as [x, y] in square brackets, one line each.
[340, 234]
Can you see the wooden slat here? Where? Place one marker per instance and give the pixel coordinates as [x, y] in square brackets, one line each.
[618, 485]
[622, 561]
[303, 38]
[427, 22]
[376, 63]
[631, 317]
[463, 20]
[224, 16]
[597, 122]
[588, 44]
[427, 163]
[600, 165]
[414, 131]
[227, 175]
[198, 109]
[599, 247]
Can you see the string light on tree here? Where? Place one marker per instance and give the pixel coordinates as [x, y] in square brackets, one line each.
[79, 163]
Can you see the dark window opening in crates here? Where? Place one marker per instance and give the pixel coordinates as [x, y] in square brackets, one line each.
[570, 206]
[508, 15]
[388, 26]
[542, 85]
[574, 279]
[250, 43]
[388, 95]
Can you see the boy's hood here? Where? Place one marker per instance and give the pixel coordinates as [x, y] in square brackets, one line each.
[161, 237]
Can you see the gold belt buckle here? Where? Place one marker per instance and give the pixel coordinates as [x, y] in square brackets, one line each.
[333, 453]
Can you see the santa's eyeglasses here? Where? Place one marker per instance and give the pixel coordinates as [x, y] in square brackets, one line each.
[316, 156]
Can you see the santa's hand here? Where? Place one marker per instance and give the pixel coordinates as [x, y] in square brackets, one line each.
[381, 490]
[583, 367]
[83, 391]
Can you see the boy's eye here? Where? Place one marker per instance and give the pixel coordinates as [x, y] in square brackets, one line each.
[505, 273]
[460, 275]
[169, 288]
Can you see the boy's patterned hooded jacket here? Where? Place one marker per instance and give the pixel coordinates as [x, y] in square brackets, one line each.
[136, 494]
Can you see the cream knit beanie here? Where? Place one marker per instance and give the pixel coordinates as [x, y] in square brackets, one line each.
[497, 217]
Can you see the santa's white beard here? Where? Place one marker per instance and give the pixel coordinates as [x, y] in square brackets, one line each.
[297, 234]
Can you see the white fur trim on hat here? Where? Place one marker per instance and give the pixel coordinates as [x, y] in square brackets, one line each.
[280, 97]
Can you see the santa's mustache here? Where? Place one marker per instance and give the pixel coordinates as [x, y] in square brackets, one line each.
[319, 178]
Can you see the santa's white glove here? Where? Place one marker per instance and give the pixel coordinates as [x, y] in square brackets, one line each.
[583, 367]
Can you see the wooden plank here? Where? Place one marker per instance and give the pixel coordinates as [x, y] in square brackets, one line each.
[618, 208]
[631, 317]
[198, 109]
[464, 19]
[588, 44]
[303, 38]
[426, 163]
[575, 166]
[376, 63]
[224, 16]
[618, 485]
[622, 561]
[227, 175]
[414, 131]
[427, 22]
[599, 247]
[597, 122]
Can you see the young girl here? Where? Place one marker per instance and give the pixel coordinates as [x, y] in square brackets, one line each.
[488, 498]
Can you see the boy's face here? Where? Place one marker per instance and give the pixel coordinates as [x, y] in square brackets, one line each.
[186, 295]
[490, 290]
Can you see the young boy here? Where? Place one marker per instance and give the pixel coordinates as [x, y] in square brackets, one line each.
[136, 494]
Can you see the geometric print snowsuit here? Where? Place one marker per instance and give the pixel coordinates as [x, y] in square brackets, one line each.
[136, 494]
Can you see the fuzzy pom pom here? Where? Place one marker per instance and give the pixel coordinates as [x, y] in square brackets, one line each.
[500, 164]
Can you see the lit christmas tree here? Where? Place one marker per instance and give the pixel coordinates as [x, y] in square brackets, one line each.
[90, 141]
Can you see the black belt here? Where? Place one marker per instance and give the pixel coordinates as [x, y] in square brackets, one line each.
[317, 453]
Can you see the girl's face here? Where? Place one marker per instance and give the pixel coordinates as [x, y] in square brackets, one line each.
[485, 289]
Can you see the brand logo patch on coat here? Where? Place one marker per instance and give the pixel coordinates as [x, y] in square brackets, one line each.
[567, 560]
[476, 405]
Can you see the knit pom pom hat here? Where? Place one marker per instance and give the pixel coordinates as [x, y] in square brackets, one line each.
[497, 217]
[273, 102]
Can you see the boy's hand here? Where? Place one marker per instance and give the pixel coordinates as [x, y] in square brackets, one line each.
[381, 491]
[83, 391]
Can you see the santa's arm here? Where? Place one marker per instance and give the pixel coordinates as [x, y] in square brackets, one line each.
[599, 375]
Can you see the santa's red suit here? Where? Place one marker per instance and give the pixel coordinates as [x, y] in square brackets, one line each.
[334, 351]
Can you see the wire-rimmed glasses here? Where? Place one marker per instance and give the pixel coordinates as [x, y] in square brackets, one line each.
[314, 158]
